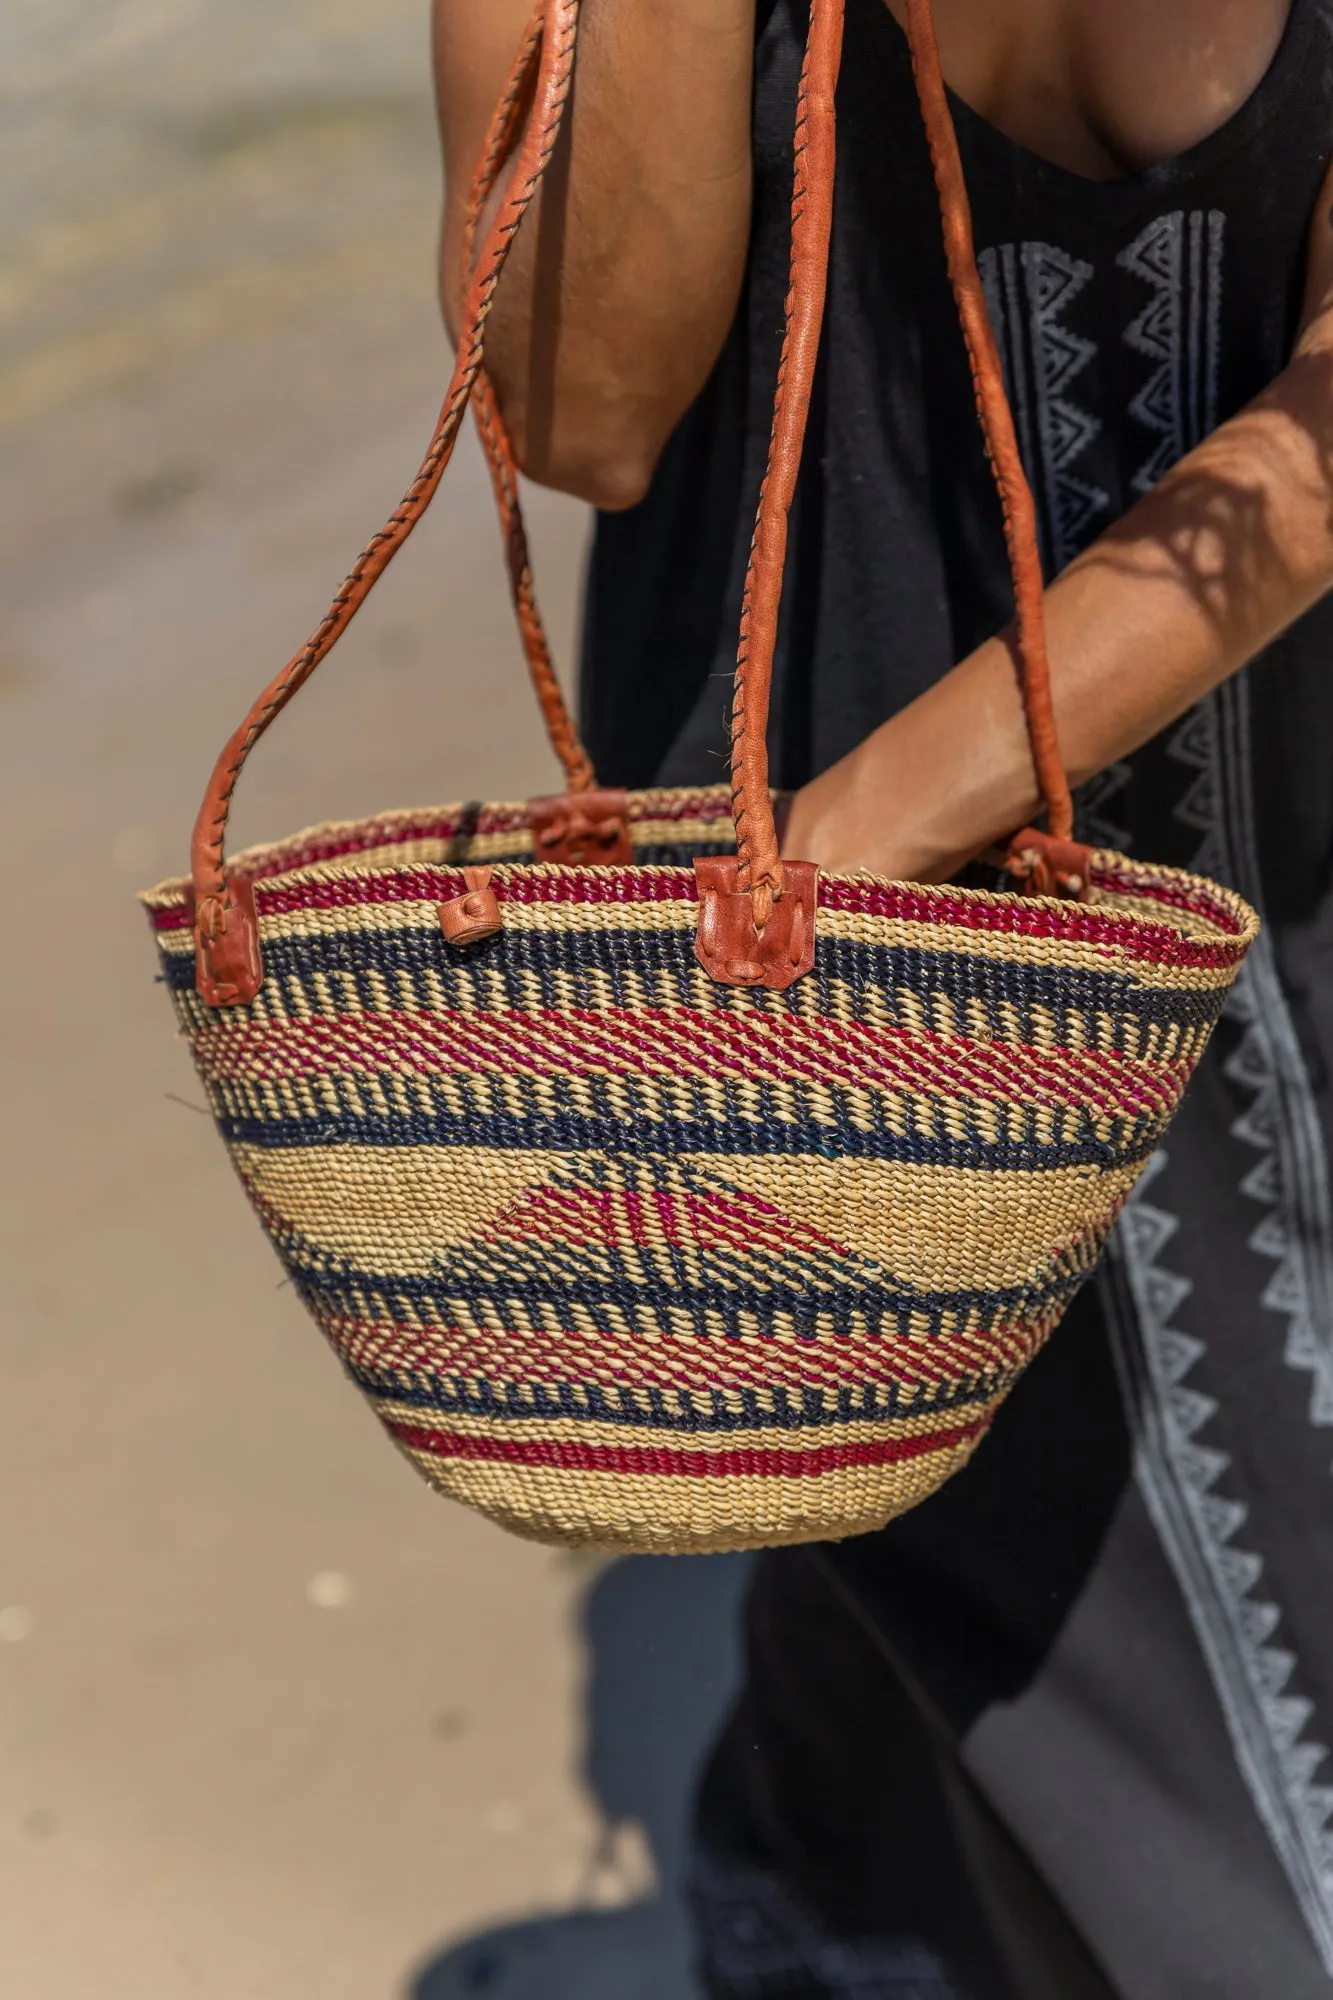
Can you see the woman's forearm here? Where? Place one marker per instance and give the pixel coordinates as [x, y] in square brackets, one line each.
[1224, 553]
[624, 278]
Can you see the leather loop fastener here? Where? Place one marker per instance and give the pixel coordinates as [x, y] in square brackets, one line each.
[228, 966]
[582, 829]
[730, 948]
[1040, 865]
[474, 915]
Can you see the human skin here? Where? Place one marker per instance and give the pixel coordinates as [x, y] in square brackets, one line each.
[620, 302]
[625, 277]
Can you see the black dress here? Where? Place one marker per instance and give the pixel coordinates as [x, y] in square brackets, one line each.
[1061, 1731]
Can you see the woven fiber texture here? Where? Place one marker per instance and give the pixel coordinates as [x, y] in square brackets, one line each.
[627, 1258]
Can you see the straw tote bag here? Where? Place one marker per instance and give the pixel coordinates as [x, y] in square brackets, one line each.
[656, 1192]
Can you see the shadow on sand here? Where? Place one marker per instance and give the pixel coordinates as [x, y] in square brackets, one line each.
[663, 1663]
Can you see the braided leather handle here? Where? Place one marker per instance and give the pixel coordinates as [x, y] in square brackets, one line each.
[761, 870]
[997, 423]
[218, 916]
[506, 124]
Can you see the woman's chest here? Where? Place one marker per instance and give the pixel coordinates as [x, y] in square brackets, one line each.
[1106, 88]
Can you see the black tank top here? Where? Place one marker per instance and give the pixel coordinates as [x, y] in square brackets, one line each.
[1133, 317]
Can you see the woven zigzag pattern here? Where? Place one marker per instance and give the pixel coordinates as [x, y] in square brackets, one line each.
[625, 1258]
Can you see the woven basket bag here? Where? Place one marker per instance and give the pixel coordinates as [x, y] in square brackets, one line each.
[657, 1192]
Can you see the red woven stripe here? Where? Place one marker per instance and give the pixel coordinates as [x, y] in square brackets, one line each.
[614, 1220]
[393, 829]
[611, 1361]
[714, 804]
[687, 1042]
[563, 1455]
[1137, 938]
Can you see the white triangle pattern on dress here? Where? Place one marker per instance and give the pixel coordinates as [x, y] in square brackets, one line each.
[1179, 1474]
[1029, 287]
[1291, 1179]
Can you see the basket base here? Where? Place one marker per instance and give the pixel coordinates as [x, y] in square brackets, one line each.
[619, 1513]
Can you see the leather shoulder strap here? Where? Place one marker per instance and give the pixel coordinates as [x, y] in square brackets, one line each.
[550, 96]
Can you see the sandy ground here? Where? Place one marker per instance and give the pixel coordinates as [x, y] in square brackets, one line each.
[274, 1721]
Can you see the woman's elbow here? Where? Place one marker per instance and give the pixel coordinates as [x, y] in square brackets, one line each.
[611, 474]
[613, 484]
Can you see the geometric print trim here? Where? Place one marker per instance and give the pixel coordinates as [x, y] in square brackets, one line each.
[1290, 1180]
[1179, 257]
[1029, 288]
[1180, 1477]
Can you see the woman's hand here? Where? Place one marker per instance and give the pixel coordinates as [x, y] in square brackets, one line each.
[848, 819]
[930, 788]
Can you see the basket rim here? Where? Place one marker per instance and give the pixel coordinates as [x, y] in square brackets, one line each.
[276, 867]
[267, 859]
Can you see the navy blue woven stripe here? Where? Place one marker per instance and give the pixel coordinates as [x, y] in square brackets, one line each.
[682, 1410]
[727, 1310]
[593, 969]
[751, 1125]
[683, 855]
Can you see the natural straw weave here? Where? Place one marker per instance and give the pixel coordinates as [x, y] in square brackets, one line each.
[624, 1257]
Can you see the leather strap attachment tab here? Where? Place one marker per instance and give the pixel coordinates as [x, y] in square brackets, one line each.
[1040, 865]
[474, 915]
[586, 829]
[228, 965]
[728, 945]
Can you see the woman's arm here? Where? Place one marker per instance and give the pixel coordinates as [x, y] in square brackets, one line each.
[624, 278]
[1226, 551]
